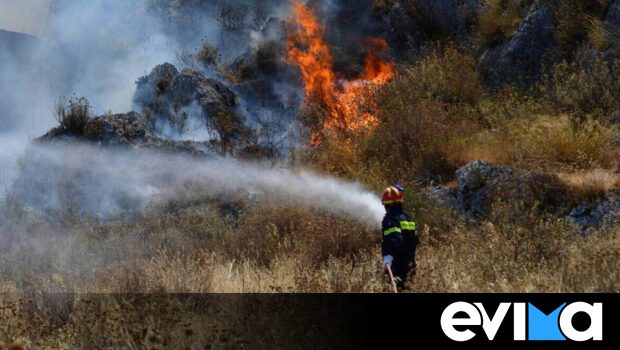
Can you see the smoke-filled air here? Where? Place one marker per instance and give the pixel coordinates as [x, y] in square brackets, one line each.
[250, 146]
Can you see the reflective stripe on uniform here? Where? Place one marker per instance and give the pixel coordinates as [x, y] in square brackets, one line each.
[407, 225]
[391, 230]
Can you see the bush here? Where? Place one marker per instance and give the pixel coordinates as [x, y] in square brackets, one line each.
[448, 75]
[73, 116]
[208, 54]
[575, 20]
[570, 141]
[420, 111]
[588, 85]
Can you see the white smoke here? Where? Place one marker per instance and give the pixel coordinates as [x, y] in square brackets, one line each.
[110, 182]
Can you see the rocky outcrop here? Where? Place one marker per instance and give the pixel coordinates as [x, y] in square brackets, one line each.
[613, 15]
[481, 185]
[521, 58]
[410, 25]
[602, 214]
[172, 96]
[126, 130]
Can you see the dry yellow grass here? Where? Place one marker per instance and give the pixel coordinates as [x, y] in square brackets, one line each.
[270, 249]
[592, 183]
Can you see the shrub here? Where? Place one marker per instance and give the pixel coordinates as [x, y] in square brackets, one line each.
[552, 143]
[575, 20]
[410, 142]
[73, 116]
[570, 141]
[448, 75]
[420, 110]
[208, 54]
[588, 85]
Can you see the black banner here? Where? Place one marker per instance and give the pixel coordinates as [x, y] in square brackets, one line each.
[314, 321]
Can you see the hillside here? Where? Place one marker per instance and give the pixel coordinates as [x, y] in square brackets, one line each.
[254, 157]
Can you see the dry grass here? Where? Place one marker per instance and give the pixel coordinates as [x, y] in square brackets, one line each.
[273, 249]
[549, 143]
[547, 256]
[592, 183]
[570, 141]
[589, 85]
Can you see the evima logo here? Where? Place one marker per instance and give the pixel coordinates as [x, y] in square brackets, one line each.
[461, 320]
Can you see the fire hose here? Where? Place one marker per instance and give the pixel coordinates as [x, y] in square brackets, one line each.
[389, 268]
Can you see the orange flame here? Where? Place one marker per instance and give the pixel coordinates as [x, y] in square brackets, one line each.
[342, 99]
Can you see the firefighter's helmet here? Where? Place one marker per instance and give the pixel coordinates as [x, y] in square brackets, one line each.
[393, 194]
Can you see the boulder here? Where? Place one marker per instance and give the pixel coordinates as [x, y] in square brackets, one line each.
[481, 185]
[477, 187]
[521, 58]
[612, 19]
[171, 96]
[601, 214]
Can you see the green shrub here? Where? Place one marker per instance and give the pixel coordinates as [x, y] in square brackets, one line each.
[420, 110]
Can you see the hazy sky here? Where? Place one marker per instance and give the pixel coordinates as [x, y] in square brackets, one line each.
[26, 16]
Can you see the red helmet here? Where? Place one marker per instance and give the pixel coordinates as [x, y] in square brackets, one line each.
[393, 194]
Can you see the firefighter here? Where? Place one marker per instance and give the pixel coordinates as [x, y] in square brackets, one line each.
[399, 239]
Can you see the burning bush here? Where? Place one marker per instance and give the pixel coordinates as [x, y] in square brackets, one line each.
[339, 98]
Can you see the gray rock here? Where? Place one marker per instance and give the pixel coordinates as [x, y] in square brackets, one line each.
[127, 130]
[442, 196]
[170, 96]
[477, 184]
[482, 184]
[522, 57]
[613, 14]
[422, 20]
[602, 214]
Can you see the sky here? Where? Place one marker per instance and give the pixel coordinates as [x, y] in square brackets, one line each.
[24, 16]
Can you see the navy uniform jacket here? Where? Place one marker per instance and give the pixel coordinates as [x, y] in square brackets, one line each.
[399, 232]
